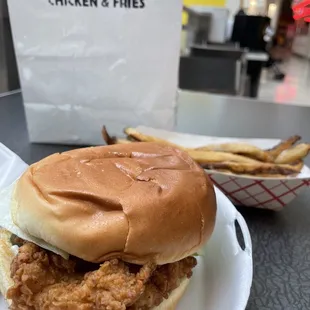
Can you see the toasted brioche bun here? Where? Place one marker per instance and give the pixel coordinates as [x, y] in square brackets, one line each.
[7, 255]
[174, 298]
[138, 202]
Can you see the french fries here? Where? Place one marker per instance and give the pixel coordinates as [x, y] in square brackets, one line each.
[239, 149]
[112, 140]
[293, 154]
[285, 159]
[282, 146]
[256, 169]
[140, 137]
[216, 157]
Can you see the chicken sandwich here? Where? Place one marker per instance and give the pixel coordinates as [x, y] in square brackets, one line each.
[123, 223]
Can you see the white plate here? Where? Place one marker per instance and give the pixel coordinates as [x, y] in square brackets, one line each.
[222, 280]
[223, 277]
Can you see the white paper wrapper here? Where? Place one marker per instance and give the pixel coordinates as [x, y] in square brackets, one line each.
[7, 222]
[87, 65]
[223, 277]
[251, 191]
[12, 167]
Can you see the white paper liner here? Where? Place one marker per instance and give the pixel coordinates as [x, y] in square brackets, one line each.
[7, 222]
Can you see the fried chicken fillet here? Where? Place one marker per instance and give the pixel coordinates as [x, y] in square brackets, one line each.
[43, 280]
[129, 217]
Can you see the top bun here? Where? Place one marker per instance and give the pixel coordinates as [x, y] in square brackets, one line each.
[138, 202]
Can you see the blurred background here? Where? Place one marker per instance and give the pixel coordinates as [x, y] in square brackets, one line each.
[245, 48]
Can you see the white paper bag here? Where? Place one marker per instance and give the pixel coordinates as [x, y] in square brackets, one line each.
[85, 63]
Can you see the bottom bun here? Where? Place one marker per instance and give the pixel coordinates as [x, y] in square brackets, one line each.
[7, 255]
[174, 298]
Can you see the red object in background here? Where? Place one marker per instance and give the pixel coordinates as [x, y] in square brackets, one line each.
[285, 92]
[301, 10]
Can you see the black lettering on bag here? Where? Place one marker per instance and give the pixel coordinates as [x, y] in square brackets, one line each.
[105, 3]
[135, 4]
[126, 4]
[121, 3]
[89, 3]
